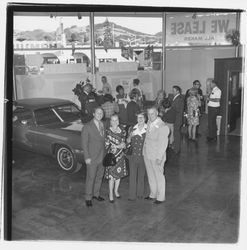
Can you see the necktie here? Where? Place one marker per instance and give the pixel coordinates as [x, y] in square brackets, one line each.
[101, 128]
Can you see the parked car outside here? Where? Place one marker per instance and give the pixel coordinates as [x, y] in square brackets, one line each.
[49, 126]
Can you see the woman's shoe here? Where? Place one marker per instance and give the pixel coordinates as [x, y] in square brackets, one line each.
[118, 196]
[111, 201]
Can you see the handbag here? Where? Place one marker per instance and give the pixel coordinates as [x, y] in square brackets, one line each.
[109, 160]
[128, 150]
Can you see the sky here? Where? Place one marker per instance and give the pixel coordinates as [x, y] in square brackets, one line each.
[145, 25]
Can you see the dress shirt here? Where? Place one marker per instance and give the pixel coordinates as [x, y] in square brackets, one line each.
[216, 93]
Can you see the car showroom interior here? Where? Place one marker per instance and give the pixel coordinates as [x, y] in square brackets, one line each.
[160, 90]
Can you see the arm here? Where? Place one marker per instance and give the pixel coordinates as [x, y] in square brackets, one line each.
[84, 144]
[162, 142]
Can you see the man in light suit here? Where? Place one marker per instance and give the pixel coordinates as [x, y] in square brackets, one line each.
[93, 145]
[177, 107]
[154, 152]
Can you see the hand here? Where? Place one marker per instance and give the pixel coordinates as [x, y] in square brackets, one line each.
[122, 145]
[88, 161]
[158, 162]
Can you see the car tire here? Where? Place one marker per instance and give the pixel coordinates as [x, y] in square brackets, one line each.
[66, 159]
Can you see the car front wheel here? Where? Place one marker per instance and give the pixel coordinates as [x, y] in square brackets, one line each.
[66, 159]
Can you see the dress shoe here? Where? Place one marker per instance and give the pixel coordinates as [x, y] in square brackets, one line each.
[211, 139]
[158, 202]
[89, 203]
[99, 198]
[149, 198]
[118, 197]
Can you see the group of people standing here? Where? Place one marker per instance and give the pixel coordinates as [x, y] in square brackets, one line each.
[148, 142]
[115, 126]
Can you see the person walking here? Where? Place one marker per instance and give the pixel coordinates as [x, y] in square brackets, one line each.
[213, 110]
[154, 152]
[93, 145]
[178, 108]
[137, 169]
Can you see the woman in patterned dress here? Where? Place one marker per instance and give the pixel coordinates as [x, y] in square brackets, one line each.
[193, 104]
[115, 143]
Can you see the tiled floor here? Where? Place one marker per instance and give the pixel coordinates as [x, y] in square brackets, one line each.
[202, 200]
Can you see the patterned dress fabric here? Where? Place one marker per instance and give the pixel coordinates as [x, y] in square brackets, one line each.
[120, 169]
[193, 110]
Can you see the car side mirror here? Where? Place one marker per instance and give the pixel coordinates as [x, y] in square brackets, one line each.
[24, 122]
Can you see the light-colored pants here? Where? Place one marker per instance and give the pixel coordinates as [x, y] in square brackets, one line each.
[156, 179]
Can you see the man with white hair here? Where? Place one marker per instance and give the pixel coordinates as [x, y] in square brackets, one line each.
[154, 152]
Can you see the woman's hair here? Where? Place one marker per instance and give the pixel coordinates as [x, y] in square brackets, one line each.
[134, 93]
[166, 103]
[136, 81]
[108, 98]
[119, 87]
[143, 113]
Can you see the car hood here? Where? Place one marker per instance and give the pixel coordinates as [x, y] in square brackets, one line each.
[67, 126]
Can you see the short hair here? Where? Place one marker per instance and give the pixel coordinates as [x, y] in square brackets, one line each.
[114, 115]
[153, 107]
[177, 88]
[103, 77]
[136, 81]
[141, 112]
[133, 93]
[119, 87]
[98, 107]
[108, 98]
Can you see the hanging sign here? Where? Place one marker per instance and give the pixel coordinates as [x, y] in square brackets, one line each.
[188, 29]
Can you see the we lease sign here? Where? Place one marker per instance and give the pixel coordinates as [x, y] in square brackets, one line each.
[199, 28]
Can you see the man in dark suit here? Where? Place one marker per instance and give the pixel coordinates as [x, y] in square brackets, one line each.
[177, 107]
[88, 103]
[93, 145]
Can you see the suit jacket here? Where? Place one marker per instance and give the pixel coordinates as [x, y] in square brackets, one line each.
[178, 108]
[156, 141]
[93, 144]
[132, 109]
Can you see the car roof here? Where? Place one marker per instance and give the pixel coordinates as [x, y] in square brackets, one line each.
[37, 103]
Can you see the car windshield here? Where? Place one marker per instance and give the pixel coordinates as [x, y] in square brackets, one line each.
[67, 112]
[63, 113]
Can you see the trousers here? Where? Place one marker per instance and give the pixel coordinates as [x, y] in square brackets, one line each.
[156, 179]
[94, 177]
[212, 127]
[136, 176]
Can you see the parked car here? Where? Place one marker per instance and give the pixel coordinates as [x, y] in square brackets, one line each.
[49, 126]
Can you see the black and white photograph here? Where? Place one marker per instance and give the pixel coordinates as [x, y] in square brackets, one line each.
[124, 123]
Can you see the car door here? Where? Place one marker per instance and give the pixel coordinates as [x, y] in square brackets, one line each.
[23, 128]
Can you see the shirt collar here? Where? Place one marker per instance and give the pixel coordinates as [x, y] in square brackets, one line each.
[137, 131]
[175, 96]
